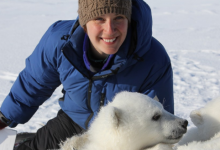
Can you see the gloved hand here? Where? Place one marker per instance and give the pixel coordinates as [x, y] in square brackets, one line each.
[3, 121]
[2, 125]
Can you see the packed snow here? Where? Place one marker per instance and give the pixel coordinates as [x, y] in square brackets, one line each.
[189, 30]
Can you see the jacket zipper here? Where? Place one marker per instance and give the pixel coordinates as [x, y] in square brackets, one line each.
[102, 100]
[90, 88]
[89, 94]
[89, 103]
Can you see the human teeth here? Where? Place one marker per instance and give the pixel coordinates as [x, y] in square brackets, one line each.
[109, 40]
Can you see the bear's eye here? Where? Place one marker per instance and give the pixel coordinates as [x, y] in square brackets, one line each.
[156, 117]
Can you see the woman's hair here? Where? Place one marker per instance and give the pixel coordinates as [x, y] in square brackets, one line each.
[89, 9]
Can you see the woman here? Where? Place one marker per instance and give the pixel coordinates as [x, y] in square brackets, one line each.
[108, 49]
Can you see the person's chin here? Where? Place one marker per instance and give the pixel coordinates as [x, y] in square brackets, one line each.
[111, 51]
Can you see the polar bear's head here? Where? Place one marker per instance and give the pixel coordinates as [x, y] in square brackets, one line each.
[133, 121]
[207, 119]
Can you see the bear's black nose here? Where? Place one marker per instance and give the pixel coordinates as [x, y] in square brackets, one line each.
[184, 124]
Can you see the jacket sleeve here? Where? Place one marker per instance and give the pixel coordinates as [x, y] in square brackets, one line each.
[35, 83]
[159, 83]
[162, 89]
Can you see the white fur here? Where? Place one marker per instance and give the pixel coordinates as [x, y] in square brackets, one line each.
[206, 134]
[207, 122]
[212, 144]
[126, 124]
[161, 146]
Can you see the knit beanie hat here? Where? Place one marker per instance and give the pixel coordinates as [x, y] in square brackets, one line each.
[88, 9]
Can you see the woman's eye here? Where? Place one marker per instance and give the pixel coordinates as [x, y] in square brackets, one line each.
[119, 17]
[99, 19]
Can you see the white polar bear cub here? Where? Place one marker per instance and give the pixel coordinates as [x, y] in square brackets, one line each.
[132, 121]
[212, 144]
[207, 122]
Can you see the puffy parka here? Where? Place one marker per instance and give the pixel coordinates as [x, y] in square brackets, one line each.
[141, 65]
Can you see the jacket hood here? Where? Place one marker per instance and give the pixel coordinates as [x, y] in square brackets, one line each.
[136, 44]
[138, 40]
[141, 14]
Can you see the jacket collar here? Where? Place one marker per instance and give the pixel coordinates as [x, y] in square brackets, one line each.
[73, 51]
[86, 50]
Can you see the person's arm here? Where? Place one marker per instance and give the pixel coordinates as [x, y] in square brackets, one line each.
[35, 83]
[162, 87]
[4, 122]
[159, 81]
[2, 125]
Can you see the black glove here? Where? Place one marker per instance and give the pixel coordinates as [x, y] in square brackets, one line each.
[4, 122]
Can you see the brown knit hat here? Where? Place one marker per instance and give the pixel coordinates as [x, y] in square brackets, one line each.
[88, 9]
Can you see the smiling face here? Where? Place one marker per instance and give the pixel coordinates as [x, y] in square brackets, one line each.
[107, 33]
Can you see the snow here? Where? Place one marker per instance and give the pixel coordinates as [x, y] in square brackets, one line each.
[189, 30]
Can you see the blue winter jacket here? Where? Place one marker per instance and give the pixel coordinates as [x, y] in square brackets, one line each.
[141, 65]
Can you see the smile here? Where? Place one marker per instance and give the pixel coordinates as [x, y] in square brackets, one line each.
[109, 40]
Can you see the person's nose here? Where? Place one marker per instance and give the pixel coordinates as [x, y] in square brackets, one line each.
[109, 27]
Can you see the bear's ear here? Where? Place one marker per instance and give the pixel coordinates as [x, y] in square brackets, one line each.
[114, 116]
[196, 117]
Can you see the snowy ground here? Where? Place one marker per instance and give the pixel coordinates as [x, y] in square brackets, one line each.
[189, 30]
